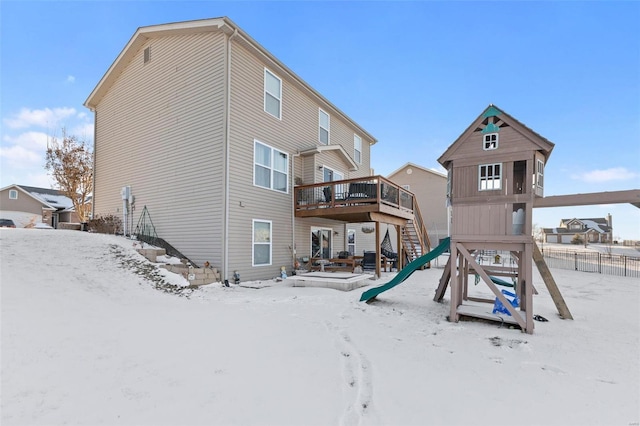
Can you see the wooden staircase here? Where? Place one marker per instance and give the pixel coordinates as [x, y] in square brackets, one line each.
[415, 239]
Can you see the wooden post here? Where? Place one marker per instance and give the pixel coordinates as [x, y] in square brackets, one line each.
[378, 254]
[562, 307]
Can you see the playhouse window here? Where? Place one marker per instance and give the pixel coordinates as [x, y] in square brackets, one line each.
[490, 177]
[490, 141]
[540, 174]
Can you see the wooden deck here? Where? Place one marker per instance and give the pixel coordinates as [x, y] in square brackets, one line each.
[372, 199]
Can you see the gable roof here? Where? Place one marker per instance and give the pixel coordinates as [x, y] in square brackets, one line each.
[415, 166]
[32, 191]
[227, 26]
[502, 119]
[342, 153]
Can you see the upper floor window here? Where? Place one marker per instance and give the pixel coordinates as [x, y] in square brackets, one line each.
[407, 187]
[13, 194]
[357, 149]
[490, 141]
[147, 54]
[261, 242]
[272, 94]
[490, 177]
[271, 167]
[323, 121]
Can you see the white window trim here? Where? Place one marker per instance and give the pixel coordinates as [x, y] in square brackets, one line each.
[278, 97]
[253, 242]
[484, 142]
[271, 167]
[357, 148]
[352, 231]
[320, 128]
[540, 174]
[13, 194]
[494, 178]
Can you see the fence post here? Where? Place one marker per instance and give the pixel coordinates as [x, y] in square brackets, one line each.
[575, 262]
[599, 262]
[625, 266]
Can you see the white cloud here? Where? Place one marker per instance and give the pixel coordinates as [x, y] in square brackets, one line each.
[614, 173]
[18, 156]
[71, 79]
[33, 141]
[47, 118]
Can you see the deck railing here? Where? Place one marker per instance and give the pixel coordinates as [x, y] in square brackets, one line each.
[353, 192]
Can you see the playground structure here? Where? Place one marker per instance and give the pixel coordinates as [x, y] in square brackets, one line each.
[495, 179]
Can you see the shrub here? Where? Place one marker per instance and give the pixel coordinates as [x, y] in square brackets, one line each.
[108, 224]
[577, 239]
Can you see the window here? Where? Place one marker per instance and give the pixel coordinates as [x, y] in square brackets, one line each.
[271, 168]
[329, 175]
[147, 54]
[261, 242]
[351, 242]
[357, 149]
[490, 178]
[13, 194]
[407, 187]
[323, 135]
[321, 242]
[490, 141]
[540, 174]
[272, 94]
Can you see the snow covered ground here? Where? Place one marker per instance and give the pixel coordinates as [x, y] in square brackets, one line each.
[87, 341]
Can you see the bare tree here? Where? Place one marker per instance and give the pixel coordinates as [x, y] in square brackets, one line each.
[70, 163]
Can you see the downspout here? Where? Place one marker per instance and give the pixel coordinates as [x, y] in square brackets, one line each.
[93, 176]
[227, 125]
[293, 211]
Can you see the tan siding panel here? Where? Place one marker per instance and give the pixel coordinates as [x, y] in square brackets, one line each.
[160, 131]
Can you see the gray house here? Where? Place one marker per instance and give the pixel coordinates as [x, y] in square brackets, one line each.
[209, 134]
[29, 206]
[593, 230]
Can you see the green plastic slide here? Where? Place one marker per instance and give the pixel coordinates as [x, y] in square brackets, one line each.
[407, 271]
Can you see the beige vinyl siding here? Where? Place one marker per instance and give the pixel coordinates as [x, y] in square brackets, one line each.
[297, 130]
[161, 132]
[430, 190]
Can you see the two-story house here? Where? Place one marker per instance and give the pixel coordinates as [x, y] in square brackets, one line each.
[210, 133]
[593, 230]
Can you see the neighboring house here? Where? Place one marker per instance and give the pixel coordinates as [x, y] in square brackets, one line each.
[28, 206]
[594, 230]
[430, 189]
[212, 133]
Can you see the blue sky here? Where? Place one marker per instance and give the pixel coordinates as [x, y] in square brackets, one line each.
[414, 74]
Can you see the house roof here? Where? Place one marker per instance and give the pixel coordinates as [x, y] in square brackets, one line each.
[503, 119]
[49, 204]
[322, 148]
[224, 24]
[415, 166]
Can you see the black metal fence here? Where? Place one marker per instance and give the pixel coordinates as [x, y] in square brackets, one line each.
[602, 263]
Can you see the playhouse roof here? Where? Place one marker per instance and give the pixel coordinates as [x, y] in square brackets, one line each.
[502, 119]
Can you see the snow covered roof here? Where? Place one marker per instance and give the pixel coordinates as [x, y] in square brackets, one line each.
[52, 197]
